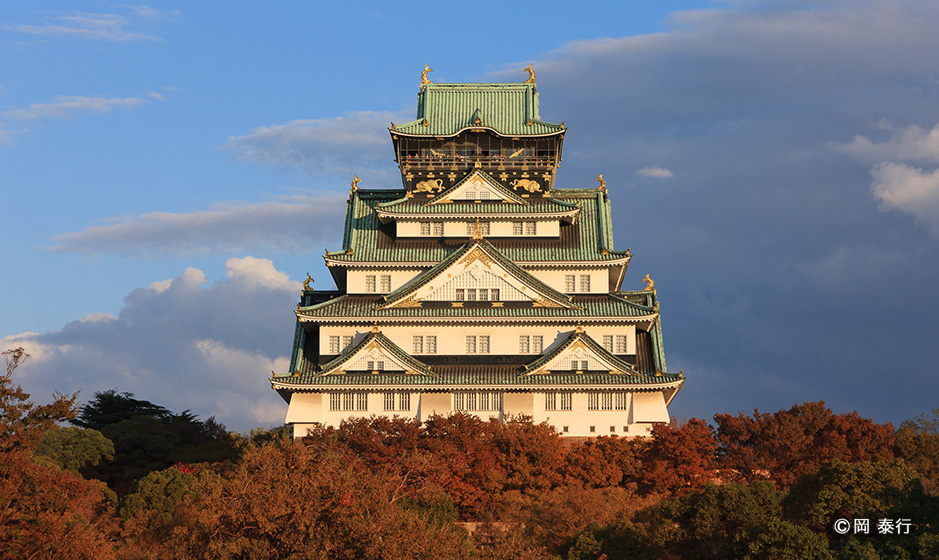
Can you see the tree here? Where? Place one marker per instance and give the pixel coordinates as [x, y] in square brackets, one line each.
[73, 448]
[679, 460]
[605, 461]
[918, 444]
[45, 512]
[792, 443]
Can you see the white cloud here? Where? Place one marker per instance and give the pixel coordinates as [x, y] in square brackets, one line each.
[654, 172]
[342, 146]
[911, 143]
[66, 106]
[191, 344]
[287, 225]
[909, 189]
[100, 26]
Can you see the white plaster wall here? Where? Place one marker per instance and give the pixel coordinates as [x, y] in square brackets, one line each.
[649, 407]
[305, 408]
[599, 279]
[355, 279]
[497, 228]
[434, 403]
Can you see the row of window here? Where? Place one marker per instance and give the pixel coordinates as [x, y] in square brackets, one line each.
[477, 401]
[435, 229]
[485, 294]
[527, 344]
[359, 401]
[570, 282]
[370, 285]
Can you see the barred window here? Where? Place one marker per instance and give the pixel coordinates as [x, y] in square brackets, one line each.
[620, 401]
[471, 401]
[470, 344]
[438, 228]
[425, 228]
[385, 283]
[565, 401]
[580, 365]
[370, 283]
[404, 401]
[607, 401]
[333, 344]
[459, 401]
[529, 228]
[346, 341]
[568, 282]
[494, 294]
[470, 294]
[389, 401]
[431, 344]
[593, 401]
[484, 344]
[524, 345]
[335, 401]
[516, 228]
[460, 294]
[620, 344]
[550, 401]
[417, 344]
[584, 282]
[477, 401]
[471, 228]
[361, 401]
[537, 343]
[483, 294]
[348, 401]
[608, 342]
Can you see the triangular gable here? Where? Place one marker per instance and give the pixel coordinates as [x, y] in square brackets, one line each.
[478, 185]
[477, 266]
[376, 353]
[579, 353]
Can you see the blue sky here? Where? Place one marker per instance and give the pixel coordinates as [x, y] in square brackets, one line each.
[169, 172]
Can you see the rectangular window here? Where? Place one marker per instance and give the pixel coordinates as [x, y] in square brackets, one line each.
[550, 401]
[346, 341]
[537, 343]
[460, 294]
[484, 195]
[370, 283]
[593, 401]
[593, 429]
[484, 401]
[385, 283]
[417, 344]
[459, 401]
[425, 228]
[470, 294]
[431, 344]
[564, 429]
[470, 228]
[335, 401]
[380, 365]
[607, 401]
[568, 282]
[473, 401]
[516, 228]
[470, 344]
[333, 344]
[584, 282]
[565, 401]
[483, 294]
[404, 401]
[438, 228]
[580, 365]
[361, 401]
[529, 228]
[348, 401]
[612, 429]
[620, 344]
[389, 401]
[620, 401]
[494, 294]
[484, 344]
[370, 365]
[524, 344]
[608, 342]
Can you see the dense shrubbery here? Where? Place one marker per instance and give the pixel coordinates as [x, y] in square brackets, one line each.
[760, 486]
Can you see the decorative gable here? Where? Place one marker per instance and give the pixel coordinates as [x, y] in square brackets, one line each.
[477, 274]
[579, 353]
[478, 185]
[375, 354]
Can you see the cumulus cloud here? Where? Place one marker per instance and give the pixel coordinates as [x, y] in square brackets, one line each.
[185, 344]
[909, 189]
[654, 172]
[99, 26]
[288, 224]
[343, 145]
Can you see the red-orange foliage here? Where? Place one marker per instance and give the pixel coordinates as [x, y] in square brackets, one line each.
[604, 461]
[531, 455]
[680, 460]
[792, 443]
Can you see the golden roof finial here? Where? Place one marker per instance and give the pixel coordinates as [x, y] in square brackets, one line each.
[650, 284]
[424, 79]
[355, 183]
[375, 329]
[579, 329]
[531, 75]
[307, 282]
[602, 186]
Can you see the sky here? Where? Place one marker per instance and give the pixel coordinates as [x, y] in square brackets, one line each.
[170, 172]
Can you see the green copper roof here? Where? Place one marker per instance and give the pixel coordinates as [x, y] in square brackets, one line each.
[508, 109]
[589, 239]
[586, 306]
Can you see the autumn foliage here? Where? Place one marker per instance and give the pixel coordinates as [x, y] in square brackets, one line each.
[762, 486]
